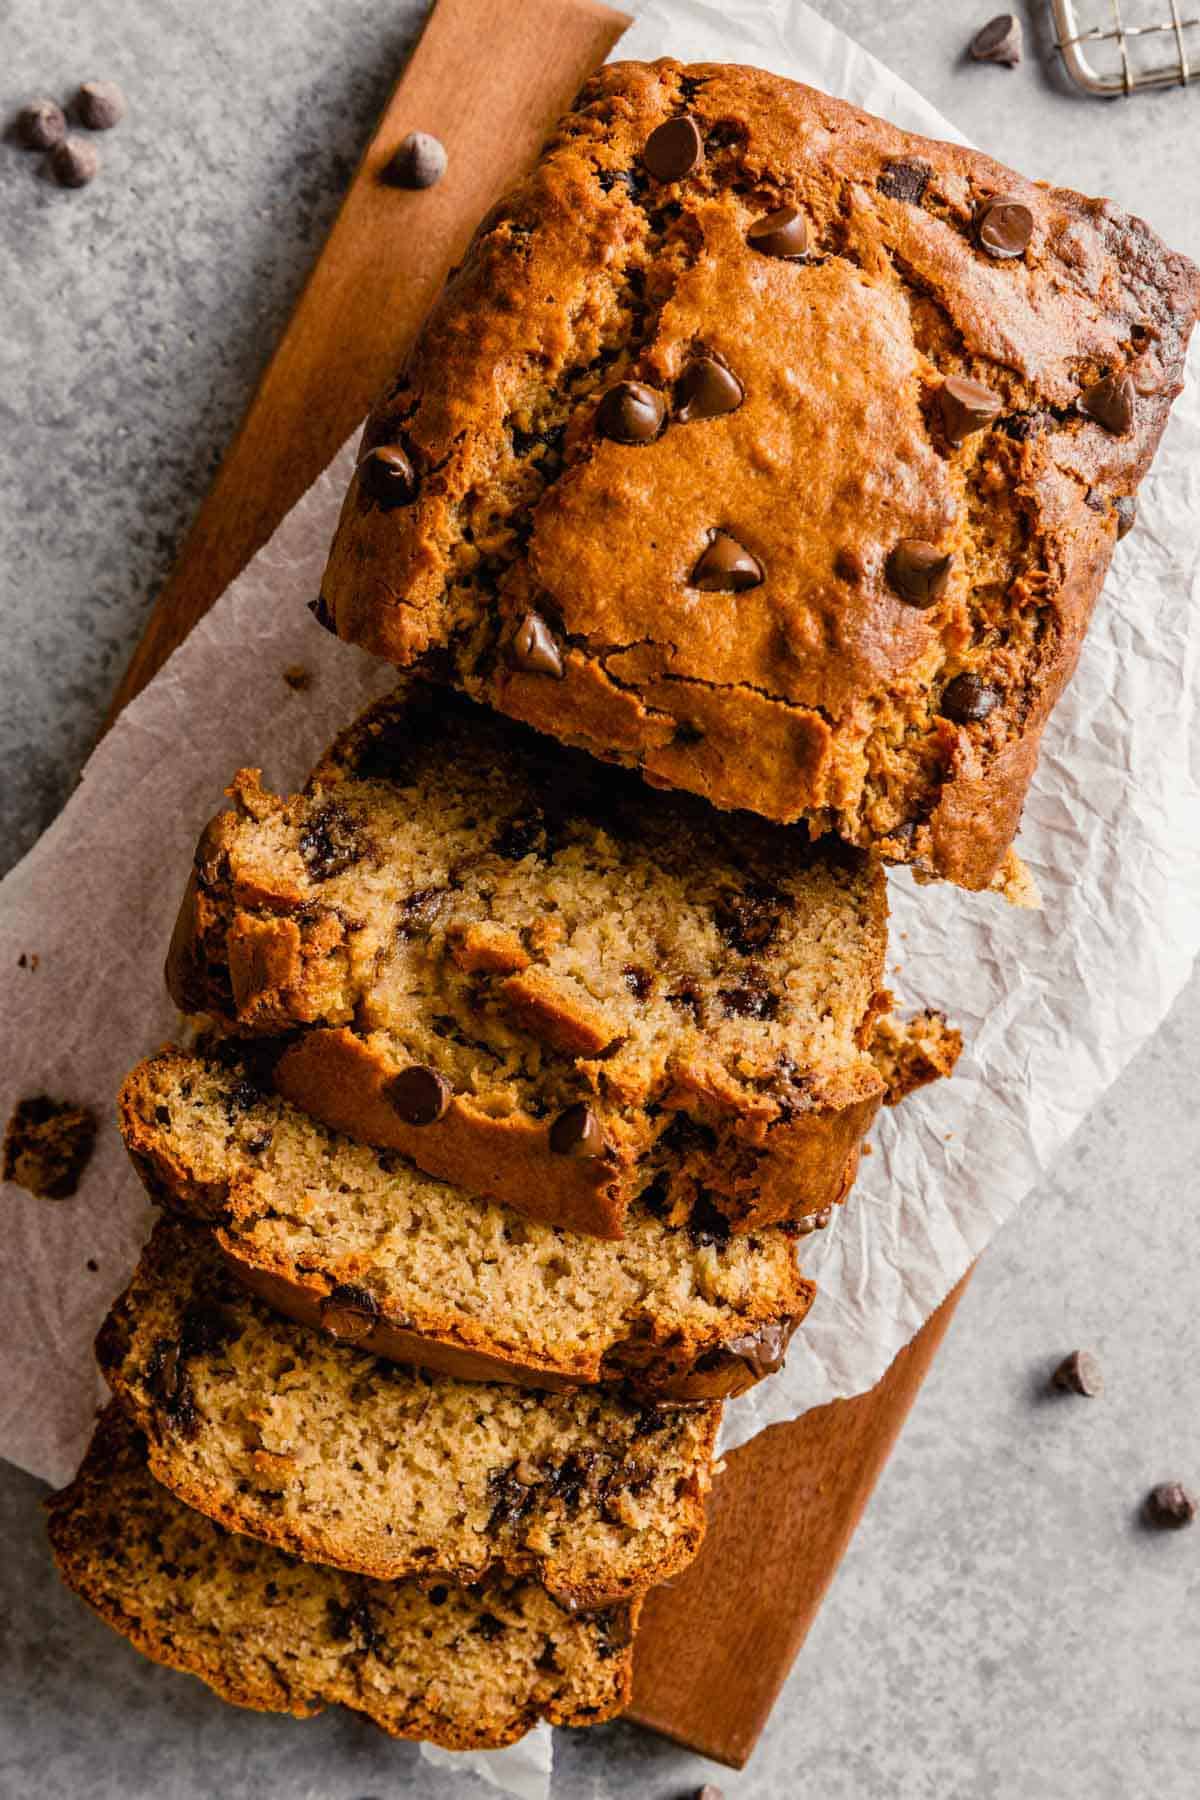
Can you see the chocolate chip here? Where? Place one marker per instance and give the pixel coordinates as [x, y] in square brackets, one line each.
[966, 406]
[919, 572]
[1169, 1506]
[705, 390]
[40, 125]
[322, 613]
[818, 1221]
[577, 1132]
[639, 981]
[419, 162]
[631, 413]
[489, 1627]
[1125, 507]
[1079, 1373]
[749, 920]
[208, 1327]
[968, 699]
[1024, 426]
[330, 842]
[1005, 226]
[99, 105]
[725, 567]
[74, 163]
[535, 648]
[999, 41]
[1110, 403]
[673, 149]
[388, 477]
[349, 1312]
[902, 180]
[752, 1001]
[763, 1350]
[783, 232]
[419, 1094]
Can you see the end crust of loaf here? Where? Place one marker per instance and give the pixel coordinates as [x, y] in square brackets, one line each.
[817, 691]
[324, 1451]
[467, 1668]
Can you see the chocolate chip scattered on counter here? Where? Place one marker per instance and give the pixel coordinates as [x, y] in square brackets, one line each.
[92, 1266]
[47, 1146]
[1110, 403]
[818, 1221]
[705, 390]
[783, 232]
[1125, 507]
[725, 567]
[673, 149]
[919, 572]
[577, 1132]
[966, 406]
[419, 162]
[535, 648]
[968, 699]
[1169, 1506]
[297, 677]
[388, 477]
[631, 413]
[901, 180]
[1079, 1373]
[74, 163]
[419, 1095]
[99, 105]
[40, 125]
[1001, 40]
[349, 1312]
[1005, 227]
[320, 610]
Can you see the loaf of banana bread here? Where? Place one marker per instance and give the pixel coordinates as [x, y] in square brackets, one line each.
[774, 451]
[320, 1449]
[358, 1241]
[467, 1668]
[541, 980]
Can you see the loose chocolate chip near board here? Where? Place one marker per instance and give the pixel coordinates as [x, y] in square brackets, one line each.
[783, 232]
[966, 407]
[919, 572]
[74, 163]
[1169, 1506]
[349, 1312]
[1079, 1373]
[420, 161]
[968, 699]
[1005, 226]
[1001, 40]
[673, 149]
[535, 648]
[577, 1132]
[419, 1095]
[99, 105]
[725, 567]
[1110, 403]
[388, 477]
[631, 413]
[705, 390]
[40, 125]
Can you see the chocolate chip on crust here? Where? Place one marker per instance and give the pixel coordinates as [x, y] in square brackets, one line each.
[673, 149]
[577, 1132]
[349, 1312]
[1004, 227]
[419, 1094]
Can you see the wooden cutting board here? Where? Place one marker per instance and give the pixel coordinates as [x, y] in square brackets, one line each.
[489, 77]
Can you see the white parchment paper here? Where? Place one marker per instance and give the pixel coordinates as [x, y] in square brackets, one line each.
[1052, 1004]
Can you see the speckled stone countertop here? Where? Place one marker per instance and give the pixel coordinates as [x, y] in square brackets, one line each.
[1001, 1628]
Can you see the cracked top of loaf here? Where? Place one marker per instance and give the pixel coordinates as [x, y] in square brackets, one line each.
[780, 454]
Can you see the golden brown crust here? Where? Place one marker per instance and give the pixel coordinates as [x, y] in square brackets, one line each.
[109, 1531]
[817, 693]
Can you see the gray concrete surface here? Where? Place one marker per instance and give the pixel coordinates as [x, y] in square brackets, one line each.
[1001, 1629]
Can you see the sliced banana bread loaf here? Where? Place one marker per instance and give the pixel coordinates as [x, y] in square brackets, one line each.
[540, 979]
[359, 1241]
[274, 1430]
[776, 451]
[468, 1668]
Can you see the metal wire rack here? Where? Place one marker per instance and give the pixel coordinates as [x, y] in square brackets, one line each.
[1108, 50]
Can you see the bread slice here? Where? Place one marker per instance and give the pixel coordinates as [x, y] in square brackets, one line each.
[540, 979]
[311, 1445]
[468, 1668]
[340, 1235]
[786, 468]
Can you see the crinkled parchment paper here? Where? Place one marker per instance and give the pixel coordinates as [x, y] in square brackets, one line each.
[1052, 1004]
